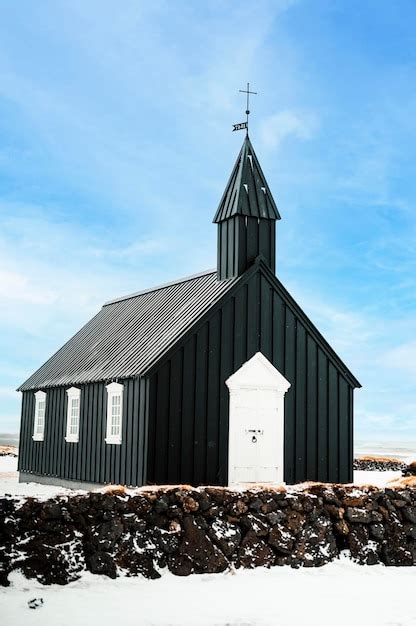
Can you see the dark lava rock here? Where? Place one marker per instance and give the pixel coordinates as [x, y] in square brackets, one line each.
[51, 510]
[5, 567]
[168, 541]
[310, 503]
[314, 554]
[132, 523]
[376, 516]
[397, 494]
[101, 501]
[35, 603]
[410, 470]
[358, 515]
[225, 535]
[101, 563]
[268, 506]
[196, 552]
[213, 512]
[355, 500]
[379, 465]
[189, 504]
[295, 521]
[105, 535]
[409, 513]
[358, 538]
[255, 504]
[162, 504]
[296, 505]
[52, 565]
[336, 512]
[78, 505]
[275, 517]
[315, 544]
[138, 557]
[205, 502]
[410, 531]
[255, 523]
[341, 527]
[363, 550]
[237, 508]
[140, 505]
[377, 531]
[158, 520]
[175, 512]
[397, 554]
[281, 539]
[219, 496]
[324, 494]
[254, 552]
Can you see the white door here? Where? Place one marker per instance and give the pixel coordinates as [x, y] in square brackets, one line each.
[256, 445]
[257, 436]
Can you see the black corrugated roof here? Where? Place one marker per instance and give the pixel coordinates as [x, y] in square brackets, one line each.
[247, 191]
[126, 337]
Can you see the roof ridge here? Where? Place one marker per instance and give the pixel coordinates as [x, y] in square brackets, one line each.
[158, 287]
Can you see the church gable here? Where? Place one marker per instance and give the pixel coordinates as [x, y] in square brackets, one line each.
[189, 399]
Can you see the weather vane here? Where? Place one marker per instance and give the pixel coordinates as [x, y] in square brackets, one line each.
[244, 125]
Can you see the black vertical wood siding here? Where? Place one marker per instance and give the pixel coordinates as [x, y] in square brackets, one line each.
[188, 414]
[91, 459]
[240, 240]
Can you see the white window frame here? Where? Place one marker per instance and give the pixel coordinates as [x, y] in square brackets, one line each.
[73, 394]
[40, 406]
[114, 391]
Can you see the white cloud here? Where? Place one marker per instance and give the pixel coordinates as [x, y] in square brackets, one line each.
[48, 265]
[276, 128]
[18, 288]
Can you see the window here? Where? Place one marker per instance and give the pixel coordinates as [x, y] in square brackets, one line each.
[114, 412]
[72, 416]
[39, 426]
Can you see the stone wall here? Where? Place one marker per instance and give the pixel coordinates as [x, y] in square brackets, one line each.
[204, 530]
[379, 464]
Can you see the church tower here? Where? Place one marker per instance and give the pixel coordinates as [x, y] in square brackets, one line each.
[246, 218]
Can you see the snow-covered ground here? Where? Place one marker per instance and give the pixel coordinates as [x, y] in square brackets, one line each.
[381, 479]
[9, 482]
[340, 592]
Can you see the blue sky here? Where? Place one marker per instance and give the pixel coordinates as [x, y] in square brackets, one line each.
[116, 144]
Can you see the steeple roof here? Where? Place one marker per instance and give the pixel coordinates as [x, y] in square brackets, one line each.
[247, 191]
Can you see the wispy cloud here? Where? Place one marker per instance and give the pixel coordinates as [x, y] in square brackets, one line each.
[274, 130]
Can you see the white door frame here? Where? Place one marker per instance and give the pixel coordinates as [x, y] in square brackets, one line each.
[257, 374]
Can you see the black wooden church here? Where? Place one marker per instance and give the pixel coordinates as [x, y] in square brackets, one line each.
[219, 378]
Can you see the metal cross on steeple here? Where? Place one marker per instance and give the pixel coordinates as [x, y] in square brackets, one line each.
[245, 124]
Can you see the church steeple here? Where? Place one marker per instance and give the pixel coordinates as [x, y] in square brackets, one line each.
[246, 217]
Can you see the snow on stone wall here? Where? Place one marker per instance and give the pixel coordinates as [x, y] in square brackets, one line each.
[204, 530]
